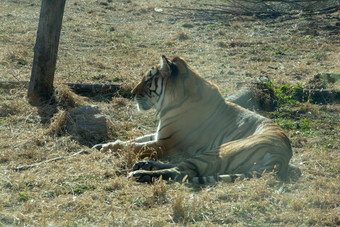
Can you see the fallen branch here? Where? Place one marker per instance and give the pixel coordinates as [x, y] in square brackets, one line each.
[81, 89]
[26, 167]
[322, 96]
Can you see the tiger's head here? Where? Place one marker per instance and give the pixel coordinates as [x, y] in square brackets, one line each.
[151, 89]
[167, 84]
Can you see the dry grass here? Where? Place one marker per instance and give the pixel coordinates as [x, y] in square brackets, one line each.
[109, 41]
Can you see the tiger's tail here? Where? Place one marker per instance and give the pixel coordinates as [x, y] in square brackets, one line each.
[229, 178]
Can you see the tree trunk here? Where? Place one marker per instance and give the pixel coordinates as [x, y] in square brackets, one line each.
[45, 51]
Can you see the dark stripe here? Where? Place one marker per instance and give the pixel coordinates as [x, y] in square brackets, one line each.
[222, 138]
[161, 92]
[171, 122]
[199, 151]
[168, 137]
[218, 165]
[251, 155]
[209, 164]
[156, 86]
[201, 180]
[233, 178]
[194, 167]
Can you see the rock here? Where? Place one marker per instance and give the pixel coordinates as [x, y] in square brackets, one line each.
[244, 98]
[88, 124]
[258, 98]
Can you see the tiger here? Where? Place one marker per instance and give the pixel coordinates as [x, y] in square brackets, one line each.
[201, 137]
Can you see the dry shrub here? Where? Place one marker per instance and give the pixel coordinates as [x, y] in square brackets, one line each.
[116, 184]
[308, 108]
[297, 204]
[221, 32]
[181, 36]
[238, 43]
[126, 157]
[222, 44]
[178, 210]
[19, 56]
[7, 109]
[159, 192]
[58, 124]
[331, 108]
[118, 102]
[170, 43]
[188, 25]
[14, 107]
[109, 173]
[198, 207]
[29, 154]
[259, 191]
[192, 209]
[265, 97]
[65, 97]
[5, 157]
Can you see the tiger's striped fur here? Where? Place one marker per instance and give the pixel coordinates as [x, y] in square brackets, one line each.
[206, 136]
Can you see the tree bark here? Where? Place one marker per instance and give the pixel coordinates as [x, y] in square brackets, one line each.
[45, 51]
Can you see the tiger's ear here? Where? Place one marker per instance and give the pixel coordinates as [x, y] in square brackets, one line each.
[164, 65]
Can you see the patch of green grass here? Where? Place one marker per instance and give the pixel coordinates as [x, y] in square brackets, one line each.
[317, 55]
[287, 114]
[68, 188]
[279, 52]
[23, 196]
[302, 126]
[83, 188]
[307, 39]
[288, 94]
[213, 27]
[138, 202]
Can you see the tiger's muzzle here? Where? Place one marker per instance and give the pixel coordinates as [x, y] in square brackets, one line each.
[143, 103]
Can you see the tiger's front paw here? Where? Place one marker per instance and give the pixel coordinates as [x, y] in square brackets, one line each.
[141, 176]
[109, 147]
[145, 165]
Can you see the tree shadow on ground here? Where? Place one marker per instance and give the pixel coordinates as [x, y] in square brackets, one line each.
[226, 13]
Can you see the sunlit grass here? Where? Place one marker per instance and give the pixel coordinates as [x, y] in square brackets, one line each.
[108, 42]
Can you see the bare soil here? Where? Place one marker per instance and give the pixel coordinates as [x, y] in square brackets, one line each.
[115, 41]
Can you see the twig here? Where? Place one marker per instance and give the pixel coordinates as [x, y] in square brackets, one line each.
[26, 167]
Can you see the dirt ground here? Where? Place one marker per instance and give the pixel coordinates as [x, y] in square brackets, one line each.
[114, 42]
